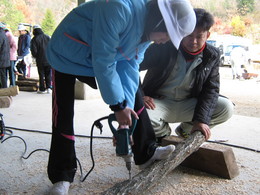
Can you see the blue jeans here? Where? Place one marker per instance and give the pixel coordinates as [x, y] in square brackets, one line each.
[10, 73]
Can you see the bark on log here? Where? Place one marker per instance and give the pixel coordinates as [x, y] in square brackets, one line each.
[28, 88]
[151, 176]
[11, 91]
[27, 83]
[22, 78]
[5, 101]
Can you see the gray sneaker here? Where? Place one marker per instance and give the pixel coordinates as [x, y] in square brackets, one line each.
[159, 154]
[60, 188]
[41, 92]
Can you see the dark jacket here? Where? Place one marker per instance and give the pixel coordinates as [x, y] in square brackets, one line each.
[159, 61]
[4, 50]
[24, 44]
[38, 46]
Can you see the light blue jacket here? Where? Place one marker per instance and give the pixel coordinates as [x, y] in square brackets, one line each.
[101, 38]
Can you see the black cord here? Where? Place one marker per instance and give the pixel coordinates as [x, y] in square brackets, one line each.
[99, 126]
[49, 133]
[235, 146]
[2, 127]
[25, 145]
[35, 151]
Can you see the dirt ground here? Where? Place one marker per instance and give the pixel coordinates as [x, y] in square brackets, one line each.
[29, 177]
[244, 93]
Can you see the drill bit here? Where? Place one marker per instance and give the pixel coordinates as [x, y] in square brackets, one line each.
[128, 163]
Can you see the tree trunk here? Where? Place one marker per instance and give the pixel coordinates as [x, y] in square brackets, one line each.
[5, 101]
[149, 177]
[11, 91]
[27, 83]
[28, 88]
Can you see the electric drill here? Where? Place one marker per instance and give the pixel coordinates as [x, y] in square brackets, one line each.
[123, 141]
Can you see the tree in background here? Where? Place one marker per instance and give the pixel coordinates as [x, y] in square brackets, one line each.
[245, 6]
[239, 27]
[48, 23]
[25, 9]
[10, 14]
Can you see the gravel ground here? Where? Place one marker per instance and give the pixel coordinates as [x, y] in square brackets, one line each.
[244, 93]
[19, 176]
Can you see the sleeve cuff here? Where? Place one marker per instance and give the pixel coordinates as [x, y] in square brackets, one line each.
[118, 107]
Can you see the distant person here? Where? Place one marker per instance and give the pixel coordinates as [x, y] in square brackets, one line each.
[38, 46]
[23, 51]
[13, 54]
[104, 42]
[237, 57]
[183, 85]
[4, 56]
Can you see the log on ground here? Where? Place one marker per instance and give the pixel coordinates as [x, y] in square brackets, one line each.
[22, 78]
[152, 175]
[11, 91]
[5, 101]
[27, 83]
[28, 88]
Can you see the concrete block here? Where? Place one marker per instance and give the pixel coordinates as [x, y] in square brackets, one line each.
[80, 90]
[83, 91]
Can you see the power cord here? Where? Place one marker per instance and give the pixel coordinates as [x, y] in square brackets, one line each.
[8, 131]
[222, 142]
[97, 124]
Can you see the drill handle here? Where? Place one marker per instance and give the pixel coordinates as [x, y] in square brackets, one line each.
[112, 117]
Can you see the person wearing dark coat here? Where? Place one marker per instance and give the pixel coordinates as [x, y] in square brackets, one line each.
[38, 45]
[23, 51]
[182, 85]
[4, 57]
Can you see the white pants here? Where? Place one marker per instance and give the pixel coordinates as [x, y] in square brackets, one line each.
[236, 68]
[27, 60]
[169, 111]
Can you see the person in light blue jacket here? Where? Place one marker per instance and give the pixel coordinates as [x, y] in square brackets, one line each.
[104, 41]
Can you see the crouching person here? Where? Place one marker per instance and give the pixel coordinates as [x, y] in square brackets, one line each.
[182, 85]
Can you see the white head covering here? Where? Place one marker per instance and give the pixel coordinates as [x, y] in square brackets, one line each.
[21, 27]
[179, 18]
[36, 26]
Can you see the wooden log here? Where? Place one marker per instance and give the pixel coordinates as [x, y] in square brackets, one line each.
[5, 101]
[28, 88]
[11, 91]
[26, 83]
[22, 78]
[175, 140]
[151, 176]
[210, 158]
[214, 159]
[249, 75]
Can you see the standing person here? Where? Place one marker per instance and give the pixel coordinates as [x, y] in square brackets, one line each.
[237, 57]
[23, 51]
[106, 40]
[4, 56]
[183, 85]
[38, 46]
[13, 54]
